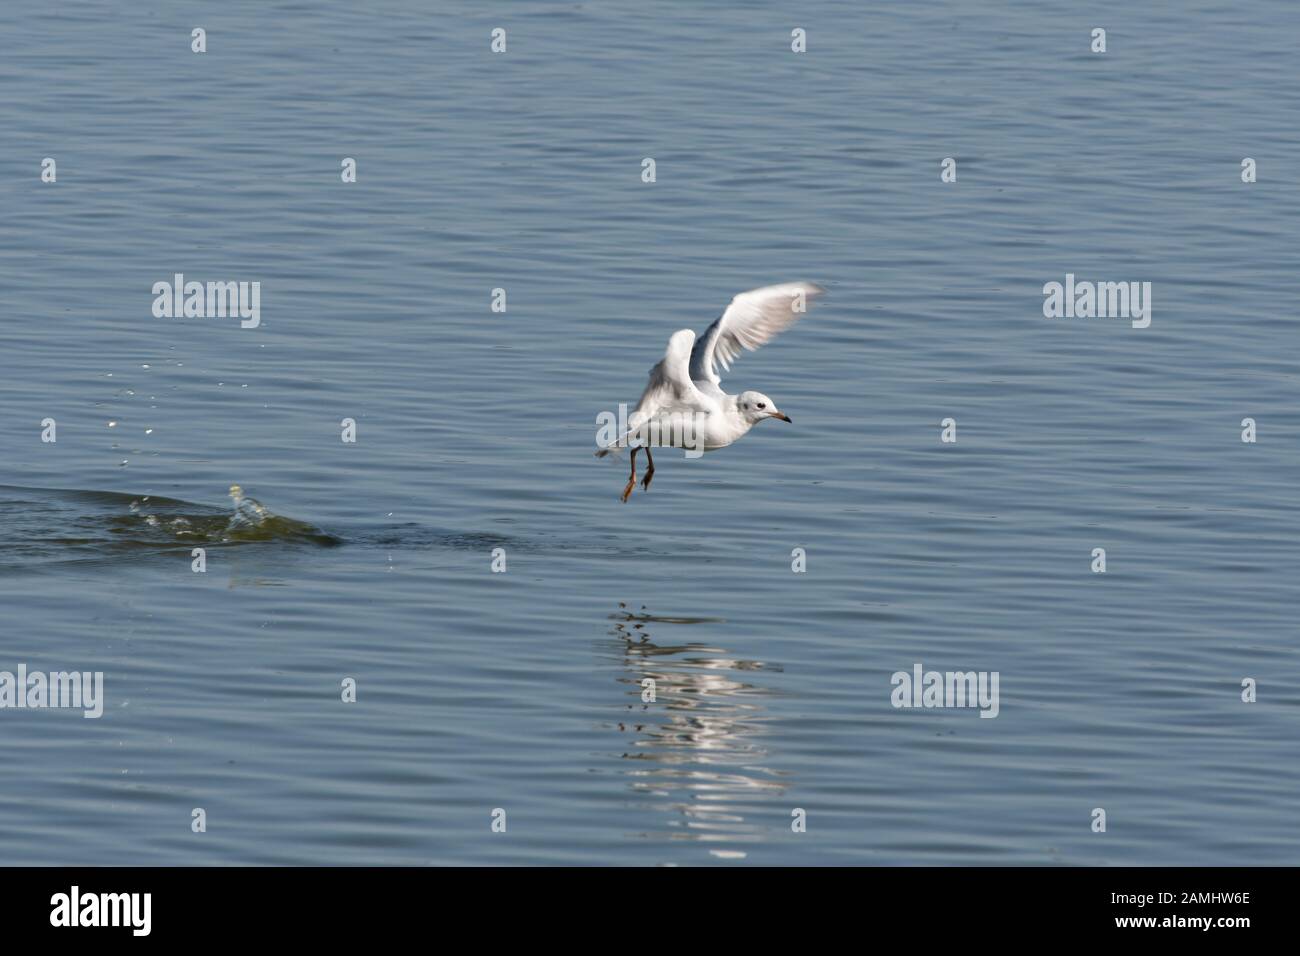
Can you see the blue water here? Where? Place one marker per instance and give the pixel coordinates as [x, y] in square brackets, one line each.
[521, 691]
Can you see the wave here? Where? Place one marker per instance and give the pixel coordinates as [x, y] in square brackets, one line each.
[40, 526]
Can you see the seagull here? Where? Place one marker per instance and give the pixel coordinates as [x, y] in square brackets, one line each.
[684, 406]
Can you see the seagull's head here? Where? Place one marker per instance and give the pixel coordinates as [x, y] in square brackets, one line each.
[755, 406]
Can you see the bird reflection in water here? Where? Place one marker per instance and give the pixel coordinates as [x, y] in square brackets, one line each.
[696, 750]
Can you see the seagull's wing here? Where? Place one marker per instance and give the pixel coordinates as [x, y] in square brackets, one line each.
[669, 390]
[753, 319]
[670, 386]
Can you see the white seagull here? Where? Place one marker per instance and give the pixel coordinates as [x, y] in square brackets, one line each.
[684, 406]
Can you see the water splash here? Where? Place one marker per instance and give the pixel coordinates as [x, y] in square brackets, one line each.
[253, 521]
[40, 527]
[249, 512]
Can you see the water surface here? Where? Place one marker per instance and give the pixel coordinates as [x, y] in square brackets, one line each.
[523, 690]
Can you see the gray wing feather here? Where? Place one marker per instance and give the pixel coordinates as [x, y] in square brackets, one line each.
[752, 319]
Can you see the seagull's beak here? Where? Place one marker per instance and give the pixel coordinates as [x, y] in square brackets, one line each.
[783, 416]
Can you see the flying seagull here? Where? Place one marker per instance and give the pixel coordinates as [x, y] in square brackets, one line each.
[684, 406]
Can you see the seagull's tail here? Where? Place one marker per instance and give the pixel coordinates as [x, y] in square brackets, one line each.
[621, 444]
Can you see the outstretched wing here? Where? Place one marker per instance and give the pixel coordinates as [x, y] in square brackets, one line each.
[669, 390]
[753, 319]
[670, 386]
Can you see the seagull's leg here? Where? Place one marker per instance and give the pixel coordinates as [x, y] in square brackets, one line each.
[650, 472]
[631, 481]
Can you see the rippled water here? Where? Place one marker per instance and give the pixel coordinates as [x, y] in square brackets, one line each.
[523, 690]
[44, 528]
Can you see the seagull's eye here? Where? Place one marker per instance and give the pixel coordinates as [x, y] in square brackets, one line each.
[762, 405]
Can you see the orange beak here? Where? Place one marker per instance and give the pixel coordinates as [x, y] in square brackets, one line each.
[783, 416]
